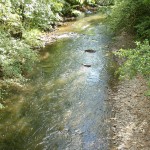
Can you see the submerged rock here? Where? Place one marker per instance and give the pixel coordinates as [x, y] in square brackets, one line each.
[86, 65]
[90, 51]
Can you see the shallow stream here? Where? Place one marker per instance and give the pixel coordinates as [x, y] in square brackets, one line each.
[63, 105]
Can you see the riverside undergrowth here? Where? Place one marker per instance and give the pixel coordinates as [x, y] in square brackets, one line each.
[135, 61]
[16, 59]
[133, 17]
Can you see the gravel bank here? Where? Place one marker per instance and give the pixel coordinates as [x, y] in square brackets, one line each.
[130, 123]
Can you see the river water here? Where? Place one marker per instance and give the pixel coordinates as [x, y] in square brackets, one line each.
[63, 105]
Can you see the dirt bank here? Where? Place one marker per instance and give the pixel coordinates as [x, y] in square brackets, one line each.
[130, 121]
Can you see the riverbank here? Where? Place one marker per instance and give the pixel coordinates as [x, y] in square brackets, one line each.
[130, 122]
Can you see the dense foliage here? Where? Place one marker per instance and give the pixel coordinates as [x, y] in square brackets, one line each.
[29, 14]
[16, 60]
[137, 60]
[16, 56]
[133, 16]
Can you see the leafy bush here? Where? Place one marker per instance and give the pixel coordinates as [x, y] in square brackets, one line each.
[105, 2]
[131, 15]
[42, 15]
[31, 37]
[121, 14]
[16, 57]
[28, 14]
[10, 22]
[143, 27]
[136, 60]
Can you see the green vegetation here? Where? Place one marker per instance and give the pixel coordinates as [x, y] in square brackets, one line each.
[133, 16]
[31, 37]
[22, 22]
[137, 60]
[16, 59]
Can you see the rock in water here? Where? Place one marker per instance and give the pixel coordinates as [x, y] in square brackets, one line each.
[90, 51]
[85, 65]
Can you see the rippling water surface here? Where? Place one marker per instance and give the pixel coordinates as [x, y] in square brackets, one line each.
[63, 106]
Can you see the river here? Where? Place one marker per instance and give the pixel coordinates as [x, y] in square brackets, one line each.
[63, 105]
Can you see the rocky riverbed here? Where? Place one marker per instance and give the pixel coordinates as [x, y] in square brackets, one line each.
[49, 38]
